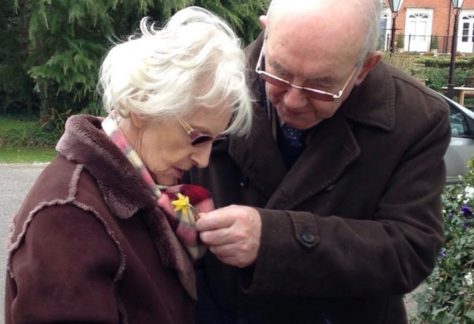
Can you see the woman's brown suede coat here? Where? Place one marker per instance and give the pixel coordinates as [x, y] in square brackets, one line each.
[90, 245]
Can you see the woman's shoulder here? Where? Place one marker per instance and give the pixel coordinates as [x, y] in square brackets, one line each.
[58, 204]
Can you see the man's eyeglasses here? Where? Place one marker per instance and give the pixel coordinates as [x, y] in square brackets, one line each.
[309, 92]
[196, 137]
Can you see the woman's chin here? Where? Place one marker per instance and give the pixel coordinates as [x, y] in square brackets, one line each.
[166, 181]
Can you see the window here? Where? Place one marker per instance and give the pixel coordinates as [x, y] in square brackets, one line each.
[467, 28]
[459, 127]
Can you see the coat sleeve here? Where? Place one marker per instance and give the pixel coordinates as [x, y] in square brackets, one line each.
[63, 270]
[387, 253]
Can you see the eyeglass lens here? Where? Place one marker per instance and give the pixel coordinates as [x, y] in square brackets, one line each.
[284, 85]
[199, 138]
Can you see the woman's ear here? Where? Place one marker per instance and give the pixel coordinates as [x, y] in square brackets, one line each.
[370, 62]
[262, 21]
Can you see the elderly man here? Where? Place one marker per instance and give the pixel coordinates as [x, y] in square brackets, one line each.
[334, 197]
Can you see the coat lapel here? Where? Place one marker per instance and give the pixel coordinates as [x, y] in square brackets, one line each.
[331, 148]
[258, 156]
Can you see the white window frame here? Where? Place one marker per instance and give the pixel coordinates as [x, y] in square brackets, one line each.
[465, 46]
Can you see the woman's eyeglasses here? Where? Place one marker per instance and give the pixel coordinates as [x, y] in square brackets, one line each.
[196, 137]
[309, 92]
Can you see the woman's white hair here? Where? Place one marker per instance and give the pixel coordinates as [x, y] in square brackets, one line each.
[194, 62]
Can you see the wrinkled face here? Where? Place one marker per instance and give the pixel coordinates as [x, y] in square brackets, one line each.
[166, 148]
[293, 106]
[309, 50]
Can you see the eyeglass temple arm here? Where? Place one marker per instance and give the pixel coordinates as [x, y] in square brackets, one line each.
[185, 125]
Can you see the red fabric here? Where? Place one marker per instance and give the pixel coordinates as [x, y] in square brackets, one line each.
[200, 201]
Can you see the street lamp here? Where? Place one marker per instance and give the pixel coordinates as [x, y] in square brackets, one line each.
[395, 6]
[457, 5]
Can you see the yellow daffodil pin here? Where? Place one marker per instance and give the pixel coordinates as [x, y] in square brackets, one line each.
[181, 204]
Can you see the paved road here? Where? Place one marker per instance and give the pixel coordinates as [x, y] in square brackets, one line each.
[15, 182]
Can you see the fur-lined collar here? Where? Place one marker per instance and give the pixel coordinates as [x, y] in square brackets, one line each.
[84, 142]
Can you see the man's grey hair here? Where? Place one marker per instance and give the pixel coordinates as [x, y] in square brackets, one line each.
[194, 62]
[371, 13]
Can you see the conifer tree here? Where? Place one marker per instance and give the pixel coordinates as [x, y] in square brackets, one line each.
[62, 42]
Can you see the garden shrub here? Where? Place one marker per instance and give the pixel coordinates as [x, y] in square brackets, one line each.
[31, 137]
[26, 132]
[434, 43]
[436, 78]
[449, 293]
[402, 61]
[443, 61]
[423, 68]
[400, 41]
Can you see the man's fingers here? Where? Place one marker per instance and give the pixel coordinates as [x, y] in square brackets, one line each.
[216, 237]
[216, 219]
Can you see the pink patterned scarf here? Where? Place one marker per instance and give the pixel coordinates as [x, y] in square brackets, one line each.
[181, 203]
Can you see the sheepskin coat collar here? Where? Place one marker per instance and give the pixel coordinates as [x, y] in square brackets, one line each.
[84, 142]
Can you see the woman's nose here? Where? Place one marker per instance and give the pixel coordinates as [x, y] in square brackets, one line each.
[201, 155]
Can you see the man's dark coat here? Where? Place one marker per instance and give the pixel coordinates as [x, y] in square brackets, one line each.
[354, 224]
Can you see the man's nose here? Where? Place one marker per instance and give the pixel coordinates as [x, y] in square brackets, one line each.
[295, 98]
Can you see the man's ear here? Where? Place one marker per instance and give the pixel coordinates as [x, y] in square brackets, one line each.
[370, 62]
[137, 121]
[263, 21]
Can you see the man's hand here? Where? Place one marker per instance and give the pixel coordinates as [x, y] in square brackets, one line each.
[232, 234]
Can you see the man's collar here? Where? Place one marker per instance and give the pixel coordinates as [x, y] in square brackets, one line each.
[373, 101]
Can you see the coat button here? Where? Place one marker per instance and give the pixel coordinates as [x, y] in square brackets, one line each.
[308, 238]
[244, 182]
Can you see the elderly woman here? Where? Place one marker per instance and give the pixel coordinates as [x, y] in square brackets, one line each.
[98, 238]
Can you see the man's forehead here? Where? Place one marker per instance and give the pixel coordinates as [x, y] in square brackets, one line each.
[316, 36]
[286, 9]
[314, 57]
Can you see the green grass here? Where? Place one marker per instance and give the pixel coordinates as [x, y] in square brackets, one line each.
[26, 154]
[7, 124]
[23, 141]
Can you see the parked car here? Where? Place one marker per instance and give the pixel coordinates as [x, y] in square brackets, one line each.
[461, 148]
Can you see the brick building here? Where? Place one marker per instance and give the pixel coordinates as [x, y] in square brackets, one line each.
[424, 25]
